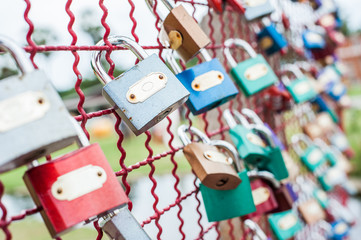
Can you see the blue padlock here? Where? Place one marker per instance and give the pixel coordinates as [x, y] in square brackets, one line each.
[339, 230]
[313, 39]
[322, 106]
[208, 83]
[143, 95]
[270, 40]
[256, 9]
[336, 90]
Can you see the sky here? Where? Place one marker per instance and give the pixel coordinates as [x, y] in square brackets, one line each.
[52, 15]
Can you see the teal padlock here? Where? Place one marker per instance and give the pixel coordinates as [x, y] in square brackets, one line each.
[329, 154]
[312, 156]
[285, 224]
[301, 89]
[321, 197]
[226, 204]
[251, 148]
[253, 74]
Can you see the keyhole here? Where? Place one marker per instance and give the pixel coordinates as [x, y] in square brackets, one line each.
[222, 182]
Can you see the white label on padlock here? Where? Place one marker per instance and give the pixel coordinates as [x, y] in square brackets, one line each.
[315, 156]
[327, 21]
[287, 221]
[217, 157]
[340, 141]
[338, 88]
[341, 228]
[146, 87]
[79, 182]
[255, 139]
[260, 195]
[207, 80]
[302, 87]
[314, 130]
[256, 71]
[325, 121]
[314, 37]
[254, 3]
[21, 109]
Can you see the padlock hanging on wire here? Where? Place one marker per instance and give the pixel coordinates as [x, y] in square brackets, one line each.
[143, 95]
[180, 31]
[34, 121]
[208, 83]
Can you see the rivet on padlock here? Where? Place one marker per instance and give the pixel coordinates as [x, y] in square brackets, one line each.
[34, 121]
[312, 156]
[181, 31]
[301, 88]
[146, 93]
[256, 9]
[219, 204]
[70, 189]
[253, 74]
[285, 224]
[208, 83]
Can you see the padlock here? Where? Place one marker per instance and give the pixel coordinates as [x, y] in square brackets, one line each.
[336, 90]
[285, 224]
[208, 83]
[342, 162]
[220, 5]
[212, 167]
[292, 167]
[311, 211]
[143, 95]
[321, 197]
[256, 9]
[339, 230]
[324, 109]
[220, 204]
[253, 74]
[312, 156]
[316, 4]
[327, 21]
[263, 184]
[326, 76]
[313, 130]
[182, 32]
[121, 225]
[75, 188]
[34, 121]
[301, 88]
[337, 38]
[339, 140]
[313, 39]
[284, 198]
[270, 40]
[331, 157]
[257, 232]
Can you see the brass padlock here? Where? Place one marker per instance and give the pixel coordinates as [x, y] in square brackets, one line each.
[212, 167]
[311, 211]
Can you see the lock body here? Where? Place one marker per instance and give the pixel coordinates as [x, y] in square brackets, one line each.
[340, 141]
[313, 130]
[270, 40]
[313, 157]
[253, 75]
[208, 163]
[321, 197]
[313, 40]
[325, 182]
[284, 198]
[336, 90]
[301, 90]
[227, 204]
[339, 230]
[209, 86]
[193, 37]
[257, 9]
[275, 163]
[311, 211]
[72, 189]
[145, 94]
[285, 224]
[31, 108]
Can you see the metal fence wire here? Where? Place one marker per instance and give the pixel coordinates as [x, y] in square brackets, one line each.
[219, 27]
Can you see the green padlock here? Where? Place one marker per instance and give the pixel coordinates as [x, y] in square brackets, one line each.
[321, 197]
[226, 204]
[301, 89]
[253, 74]
[284, 224]
[329, 154]
[312, 156]
[251, 148]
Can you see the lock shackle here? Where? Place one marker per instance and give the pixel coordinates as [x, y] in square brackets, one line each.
[183, 129]
[230, 149]
[18, 54]
[269, 177]
[292, 68]
[255, 228]
[173, 63]
[252, 115]
[295, 139]
[231, 119]
[167, 4]
[238, 43]
[321, 144]
[265, 132]
[116, 41]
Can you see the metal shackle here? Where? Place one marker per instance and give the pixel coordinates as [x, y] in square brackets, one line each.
[292, 68]
[24, 63]
[230, 149]
[265, 132]
[266, 176]
[239, 43]
[256, 230]
[173, 63]
[116, 41]
[183, 129]
[231, 120]
[295, 139]
[167, 4]
[252, 115]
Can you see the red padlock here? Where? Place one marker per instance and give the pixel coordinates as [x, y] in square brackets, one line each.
[283, 198]
[75, 188]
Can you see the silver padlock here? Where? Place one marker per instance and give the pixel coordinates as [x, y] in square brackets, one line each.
[143, 95]
[34, 121]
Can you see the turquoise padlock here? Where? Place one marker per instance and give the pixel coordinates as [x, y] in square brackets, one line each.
[253, 74]
[312, 156]
[284, 224]
[321, 197]
[301, 88]
[226, 204]
[329, 154]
